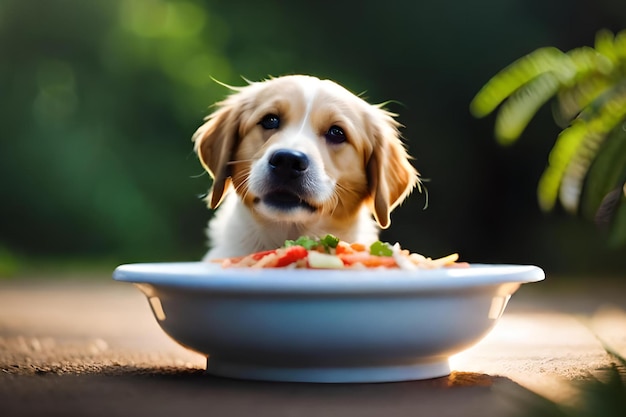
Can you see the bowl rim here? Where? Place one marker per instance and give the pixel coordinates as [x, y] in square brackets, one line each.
[204, 276]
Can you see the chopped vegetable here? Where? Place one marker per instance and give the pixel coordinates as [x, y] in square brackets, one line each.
[359, 247]
[379, 248]
[304, 241]
[331, 253]
[330, 241]
[291, 255]
[324, 261]
[369, 260]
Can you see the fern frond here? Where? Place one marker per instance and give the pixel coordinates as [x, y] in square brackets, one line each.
[576, 171]
[605, 44]
[592, 78]
[617, 236]
[563, 150]
[611, 46]
[589, 61]
[575, 150]
[514, 76]
[572, 100]
[532, 81]
[608, 107]
[521, 106]
[586, 170]
[620, 46]
[607, 173]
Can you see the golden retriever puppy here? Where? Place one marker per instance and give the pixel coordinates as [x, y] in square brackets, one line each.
[294, 156]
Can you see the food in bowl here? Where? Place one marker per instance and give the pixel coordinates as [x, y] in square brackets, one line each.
[329, 252]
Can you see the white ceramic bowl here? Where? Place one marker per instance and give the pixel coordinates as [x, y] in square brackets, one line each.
[327, 326]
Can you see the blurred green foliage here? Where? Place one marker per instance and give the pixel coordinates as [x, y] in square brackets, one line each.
[587, 165]
[99, 100]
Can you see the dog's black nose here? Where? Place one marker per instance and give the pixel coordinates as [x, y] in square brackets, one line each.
[287, 163]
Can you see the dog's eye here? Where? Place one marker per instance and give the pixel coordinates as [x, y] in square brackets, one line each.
[270, 121]
[335, 135]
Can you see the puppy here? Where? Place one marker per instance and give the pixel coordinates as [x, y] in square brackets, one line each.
[294, 156]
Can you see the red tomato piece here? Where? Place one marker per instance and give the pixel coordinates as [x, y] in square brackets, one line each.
[260, 255]
[343, 248]
[291, 255]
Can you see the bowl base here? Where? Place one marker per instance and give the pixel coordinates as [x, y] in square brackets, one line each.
[348, 374]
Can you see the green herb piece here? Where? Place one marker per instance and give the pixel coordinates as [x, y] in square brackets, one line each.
[379, 248]
[329, 241]
[304, 241]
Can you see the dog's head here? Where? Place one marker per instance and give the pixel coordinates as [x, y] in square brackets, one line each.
[296, 148]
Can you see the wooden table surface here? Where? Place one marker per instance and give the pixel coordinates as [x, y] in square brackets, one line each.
[92, 348]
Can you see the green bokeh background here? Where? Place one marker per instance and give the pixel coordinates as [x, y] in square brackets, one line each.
[99, 99]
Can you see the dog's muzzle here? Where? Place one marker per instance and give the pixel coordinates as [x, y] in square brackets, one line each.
[288, 180]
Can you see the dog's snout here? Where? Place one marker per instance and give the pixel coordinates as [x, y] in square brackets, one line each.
[288, 163]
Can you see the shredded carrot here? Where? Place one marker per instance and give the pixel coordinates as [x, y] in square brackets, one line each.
[370, 261]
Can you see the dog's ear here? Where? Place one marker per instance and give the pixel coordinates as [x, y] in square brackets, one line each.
[215, 143]
[391, 177]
